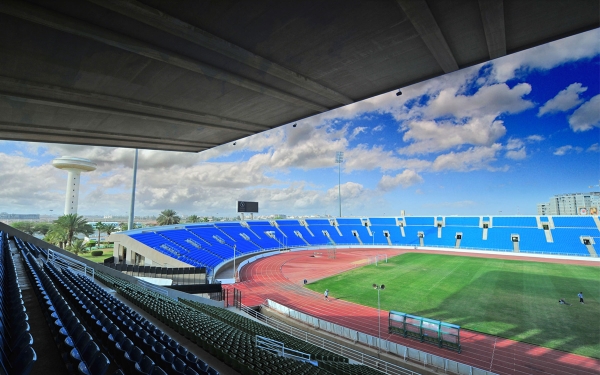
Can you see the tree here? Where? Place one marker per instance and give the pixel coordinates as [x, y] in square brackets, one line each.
[110, 228]
[73, 224]
[57, 236]
[25, 227]
[168, 217]
[42, 228]
[78, 246]
[193, 219]
[205, 219]
[123, 226]
[100, 227]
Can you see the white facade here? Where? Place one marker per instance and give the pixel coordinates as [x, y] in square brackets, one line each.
[571, 204]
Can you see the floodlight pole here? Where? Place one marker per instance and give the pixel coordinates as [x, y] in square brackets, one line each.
[234, 279]
[379, 288]
[132, 203]
[339, 159]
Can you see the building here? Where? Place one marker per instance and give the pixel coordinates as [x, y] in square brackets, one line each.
[5, 215]
[571, 204]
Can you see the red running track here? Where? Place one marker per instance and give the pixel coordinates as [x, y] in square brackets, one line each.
[280, 279]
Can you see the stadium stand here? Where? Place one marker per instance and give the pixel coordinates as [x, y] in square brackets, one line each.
[212, 244]
[17, 356]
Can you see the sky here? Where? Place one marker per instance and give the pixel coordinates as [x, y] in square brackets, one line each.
[492, 139]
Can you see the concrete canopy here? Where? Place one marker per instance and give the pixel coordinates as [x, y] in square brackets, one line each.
[189, 75]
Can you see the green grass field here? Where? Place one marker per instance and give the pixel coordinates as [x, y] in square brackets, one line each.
[513, 299]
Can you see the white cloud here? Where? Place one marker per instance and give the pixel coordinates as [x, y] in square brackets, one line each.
[587, 116]
[563, 150]
[356, 131]
[594, 148]
[516, 149]
[564, 100]
[378, 128]
[548, 56]
[519, 154]
[535, 138]
[431, 136]
[514, 143]
[472, 159]
[487, 101]
[405, 179]
[28, 188]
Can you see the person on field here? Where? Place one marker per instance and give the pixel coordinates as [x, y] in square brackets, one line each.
[580, 295]
[326, 294]
[563, 302]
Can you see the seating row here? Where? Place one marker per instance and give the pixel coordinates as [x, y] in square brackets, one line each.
[17, 356]
[135, 344]
[235, 347]
[79, 350]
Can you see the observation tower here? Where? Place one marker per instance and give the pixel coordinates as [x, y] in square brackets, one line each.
[74, 166]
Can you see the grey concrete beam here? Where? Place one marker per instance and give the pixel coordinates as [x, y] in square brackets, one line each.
[420, 16]
[24, 98]
[32, 128]
[38, 136]
[35, 14]
[159, 20]
[149, 109]
[492, 17]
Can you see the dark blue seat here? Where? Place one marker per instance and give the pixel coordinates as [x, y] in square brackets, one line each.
[131, 358]
[145, 366]
[178, 366]
[98, 366]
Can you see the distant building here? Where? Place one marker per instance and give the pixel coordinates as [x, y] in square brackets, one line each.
[4, 215]
[571, 204]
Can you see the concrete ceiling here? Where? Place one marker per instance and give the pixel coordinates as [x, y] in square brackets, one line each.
[189, 75]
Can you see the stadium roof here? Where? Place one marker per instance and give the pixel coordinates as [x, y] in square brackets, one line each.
[190, 75]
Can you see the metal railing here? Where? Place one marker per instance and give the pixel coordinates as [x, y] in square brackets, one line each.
[59, 260]
[278, 348]
[354, 355]
[402, 351]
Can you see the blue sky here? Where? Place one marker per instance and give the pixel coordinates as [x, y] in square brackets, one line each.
[494, 138]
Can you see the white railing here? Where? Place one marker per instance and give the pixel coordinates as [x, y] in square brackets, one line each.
[354, 355]
[59, 260]
[401, 351]
[278, 348]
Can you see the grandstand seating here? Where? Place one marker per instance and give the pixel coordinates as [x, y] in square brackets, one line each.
[17, 355]
[514, 221]
[230, 337]
[210, 252]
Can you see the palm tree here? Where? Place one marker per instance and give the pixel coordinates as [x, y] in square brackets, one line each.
[42, 228]
[57, 236]
[123, 226]
[78, 246]
[109, 228]
[73, 224]
[205, 219]
[167, 217]
[193, 219]
[100, 227]
[25, 227]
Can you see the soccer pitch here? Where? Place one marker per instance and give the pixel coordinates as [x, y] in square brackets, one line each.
[513, 299]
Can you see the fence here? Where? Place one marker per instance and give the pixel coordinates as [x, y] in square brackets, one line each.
[402, 351]
[60, 260]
